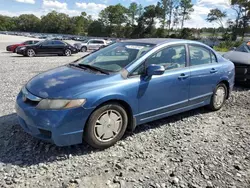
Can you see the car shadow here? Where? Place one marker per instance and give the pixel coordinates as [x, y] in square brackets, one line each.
[16, 146]
[49, 55]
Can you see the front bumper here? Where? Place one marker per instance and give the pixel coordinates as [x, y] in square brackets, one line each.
[61, 127]
[8, 48]
[21, 52]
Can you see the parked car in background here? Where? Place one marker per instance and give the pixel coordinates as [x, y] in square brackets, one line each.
[13, 47]
[92, 44]
[47, 47]
[241, 58]
[98, 97]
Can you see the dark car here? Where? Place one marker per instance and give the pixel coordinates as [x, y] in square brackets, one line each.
[47, 47]
[241, 58]
[13, 47]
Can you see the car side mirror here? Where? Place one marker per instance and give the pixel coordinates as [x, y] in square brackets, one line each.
[155, 70]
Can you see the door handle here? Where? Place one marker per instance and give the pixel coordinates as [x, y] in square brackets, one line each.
[213, 70]
[183, 76]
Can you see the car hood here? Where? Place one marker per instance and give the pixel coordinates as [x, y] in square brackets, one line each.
[66, 82]
[15, 44]
[238, 57]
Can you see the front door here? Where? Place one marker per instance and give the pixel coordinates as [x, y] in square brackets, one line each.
[46, 47]
[165, 94]
[92, 45]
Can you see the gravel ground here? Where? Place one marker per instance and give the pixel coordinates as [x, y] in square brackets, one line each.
[198, 148]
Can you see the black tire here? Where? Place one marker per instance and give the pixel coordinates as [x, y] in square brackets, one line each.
[67, 52]
[90, 135]
[30, 53]
[84, 49]
[213, 105]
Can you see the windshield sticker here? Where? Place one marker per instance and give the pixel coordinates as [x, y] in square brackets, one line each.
[134, 47]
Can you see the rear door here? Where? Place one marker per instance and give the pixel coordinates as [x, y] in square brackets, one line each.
[99, 44]
[205, 73]
[58, 47]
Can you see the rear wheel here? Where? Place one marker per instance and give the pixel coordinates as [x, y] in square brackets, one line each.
[67, 52]
[106, 126]
[219, 97]
[31, 53]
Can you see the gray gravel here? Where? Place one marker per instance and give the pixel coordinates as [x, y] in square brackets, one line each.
[194, 149]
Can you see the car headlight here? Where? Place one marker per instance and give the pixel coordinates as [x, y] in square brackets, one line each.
[22, 48]
[57, 104]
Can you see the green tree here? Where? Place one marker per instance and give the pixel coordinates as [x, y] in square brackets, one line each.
[27, 23]
[140, 10]
[97, 29]
[80, 24]
[55, 22]
[7, 23]
[166, 12]
[186, 8]
[146, 23]
[113, 17]
[241, 7]
[216, 15]
[132, 12]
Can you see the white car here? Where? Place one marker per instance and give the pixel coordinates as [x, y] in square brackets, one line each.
[91, 44]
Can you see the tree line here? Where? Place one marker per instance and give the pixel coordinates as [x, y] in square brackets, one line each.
[134, 21]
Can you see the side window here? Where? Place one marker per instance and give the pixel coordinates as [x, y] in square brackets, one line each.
[213, 57]
[170, 57]
[59, 43]
[47, 43]
[28, 42]
[199, 55]
[91, 42]
[100, 42]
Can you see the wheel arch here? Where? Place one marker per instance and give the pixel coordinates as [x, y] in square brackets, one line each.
[131, 120]
[227, 85]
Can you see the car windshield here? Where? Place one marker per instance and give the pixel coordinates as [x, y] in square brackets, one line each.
[116, 56]
[245, 47]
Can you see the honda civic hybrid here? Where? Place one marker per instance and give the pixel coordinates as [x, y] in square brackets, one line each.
[100, 96]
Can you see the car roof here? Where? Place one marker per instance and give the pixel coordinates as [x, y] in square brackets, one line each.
[158, 41]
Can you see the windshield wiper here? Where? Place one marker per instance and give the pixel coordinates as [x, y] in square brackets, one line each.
[94, 68]
[90, 67]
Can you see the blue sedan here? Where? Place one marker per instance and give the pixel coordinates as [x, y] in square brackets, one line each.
[100, 96]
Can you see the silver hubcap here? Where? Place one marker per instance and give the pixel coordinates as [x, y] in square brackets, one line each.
[31, 53]
[108, 125]
[219, 97]
[68, 52]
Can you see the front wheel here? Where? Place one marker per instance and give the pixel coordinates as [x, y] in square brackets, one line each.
[67, 52]
[84, 49]
[219, 97]
[106, 126]
[31, 53]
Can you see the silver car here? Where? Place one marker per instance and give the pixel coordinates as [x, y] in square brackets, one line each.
[92, 44]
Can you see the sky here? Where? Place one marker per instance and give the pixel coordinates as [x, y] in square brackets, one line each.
[93, 7]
